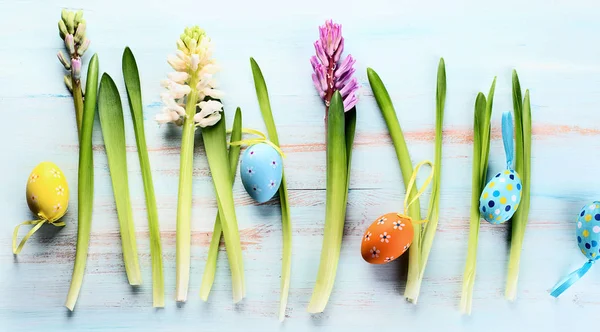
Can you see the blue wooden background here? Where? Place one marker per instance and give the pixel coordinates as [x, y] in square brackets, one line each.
[553, 44]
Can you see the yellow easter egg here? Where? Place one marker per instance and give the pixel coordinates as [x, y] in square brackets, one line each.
[47, 192]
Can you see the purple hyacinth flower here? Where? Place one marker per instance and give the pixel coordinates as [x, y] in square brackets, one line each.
[331, 74]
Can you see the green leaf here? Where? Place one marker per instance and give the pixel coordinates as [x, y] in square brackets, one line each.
[262, 95]
[335, 208]
[210, 269]
[434, 201]
[485, 134]
[481, 146]
[113, 131]
[389, 115]
[134, 93]
[215, 144]
[522, 110]
[85, 190]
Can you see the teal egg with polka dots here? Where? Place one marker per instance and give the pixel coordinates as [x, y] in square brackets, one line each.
[501, 197]
[588, 230]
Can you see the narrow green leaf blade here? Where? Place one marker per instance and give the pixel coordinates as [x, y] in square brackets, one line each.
[521, 216]
[113, 131]
[134, 93]
[434, 202]
[389, 115]
[335, 208]
[85, 182]
[210, 269]
[262, 95]
[215, 144]
[486, 134]
[481, 122]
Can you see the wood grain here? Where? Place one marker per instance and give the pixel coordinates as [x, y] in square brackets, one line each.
[552, 44]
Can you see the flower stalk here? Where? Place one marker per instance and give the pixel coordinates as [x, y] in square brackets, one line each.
[191, 101]
[85, 189]
[72, 28]
[334, 81]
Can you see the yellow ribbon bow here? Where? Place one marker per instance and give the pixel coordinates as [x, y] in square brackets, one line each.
[410, 186]
[38, 224]
[251, 141]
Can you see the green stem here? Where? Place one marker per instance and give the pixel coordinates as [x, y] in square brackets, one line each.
[78, 102]
[184, 200]
[85, 189]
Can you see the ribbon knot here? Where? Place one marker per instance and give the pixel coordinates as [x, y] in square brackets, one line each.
[251, 141]
[420, 192]
[38, 224]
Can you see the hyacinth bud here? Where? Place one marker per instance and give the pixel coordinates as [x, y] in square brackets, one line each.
[70, 22]
[181, 46]
[68, 82]
[76, 68]
[83, 47]
[63, 60]
[70, 44]
[64, 14]
[80, 33]
[62, 29]
[78, 17]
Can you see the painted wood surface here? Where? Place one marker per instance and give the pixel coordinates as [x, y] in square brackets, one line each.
[552, 44]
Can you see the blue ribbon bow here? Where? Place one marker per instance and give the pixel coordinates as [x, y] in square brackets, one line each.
[569, 280]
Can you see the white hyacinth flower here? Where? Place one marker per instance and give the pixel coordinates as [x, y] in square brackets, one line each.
[193, 78]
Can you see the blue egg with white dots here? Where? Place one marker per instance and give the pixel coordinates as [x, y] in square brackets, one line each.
[261, 171]
[501, 197]
[588, 230]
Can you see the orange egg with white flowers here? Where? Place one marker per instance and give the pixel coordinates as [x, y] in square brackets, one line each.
[387, 238]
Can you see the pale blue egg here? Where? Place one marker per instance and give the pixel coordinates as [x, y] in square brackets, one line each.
[588, 230]
[261, 171]
[501, 197]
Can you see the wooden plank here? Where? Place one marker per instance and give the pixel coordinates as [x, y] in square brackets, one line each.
[550, 43]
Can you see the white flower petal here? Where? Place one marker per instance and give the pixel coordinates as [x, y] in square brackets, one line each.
[210, 120]
[213, 93]
[181, 45]
[178, 77]
[176, 63]
[163, 118]
[194, 62]
[183, 56]
[211, 106]
[210, 69]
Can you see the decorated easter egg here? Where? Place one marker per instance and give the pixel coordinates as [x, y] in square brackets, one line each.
[588, 230]
[47, 192]
[261, 171]
[387, 238]
[501, 197]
